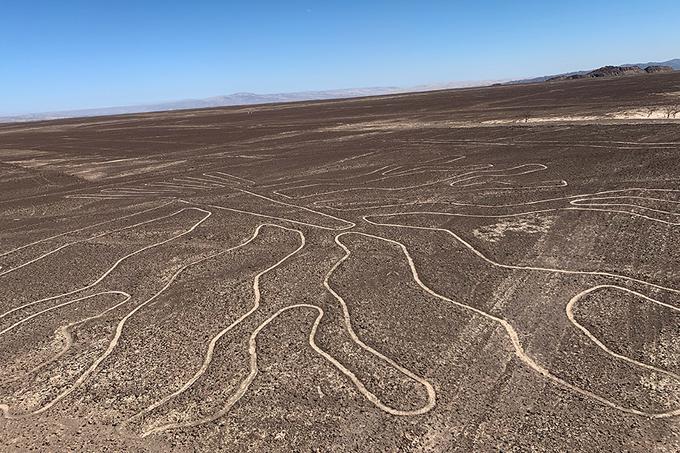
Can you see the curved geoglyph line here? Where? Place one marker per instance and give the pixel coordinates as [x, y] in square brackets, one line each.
[569, 197]
[389, 172]
[581, 202]
[64, 331]
[117, 263]
[556, 184]
[570, 314]
[245, 384]
[477, 168]
[509, 266]
[431, 397]
[252, 351]
[528, 360]
[590, 202]
[513, 334]
[216, 338]
[81, 241]
[492, 173]
[82, 228]
[348, 223]
[177, 185]
[118, 332]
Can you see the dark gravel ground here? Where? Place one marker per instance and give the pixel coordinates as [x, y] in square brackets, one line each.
[487, 269]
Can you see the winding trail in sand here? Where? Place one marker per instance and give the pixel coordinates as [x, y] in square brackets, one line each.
[81, 241]
[206, 215]
[245, 384]
[65, 331]
[207, 360]
[83, 228]
[570, 314]
[517, 345]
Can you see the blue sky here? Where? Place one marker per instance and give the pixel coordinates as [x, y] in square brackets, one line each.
[59, 55]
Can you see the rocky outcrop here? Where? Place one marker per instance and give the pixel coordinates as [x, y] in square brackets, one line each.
[656, 68]
[613, 71]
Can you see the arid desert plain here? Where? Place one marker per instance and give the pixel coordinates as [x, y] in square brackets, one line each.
[483, 269]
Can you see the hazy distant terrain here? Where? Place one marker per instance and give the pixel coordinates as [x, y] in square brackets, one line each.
[484, 269]
[238, 99]
[253, 98]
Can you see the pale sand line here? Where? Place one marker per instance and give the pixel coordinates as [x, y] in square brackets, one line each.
[245, 384]
[64, 331]
[121, 195]
[569, 197]
[431, 397]
[28, 318]
[80, 241]
[475, 183]
[388, 172]
[630, 213]
[106, 197]
[390, 176]
[391, 169]
[416, 186]
[84, 228]
[510, 266]
[350, 224]
[206, 181]
[134, 189]
[188, 180]
[580, 205]
[502, 173]
[116, 338]
[214, 178]
[119, 329]
[128, 191]
[542, 142]
[235, 177]
[594, 339]
[586, 203]
[117, 263]
[578, 208]
[288, 179]
[632, 145]
[542, 185]
[445, 159]
[514, 338]
[321, 204]
[194, 184]
[163, 185]
[265, 216]
[230, 182]
[253, 353]
[585, 200]
[429, 168]
[402, 170]
[202, 180]
[215, 339]
[175, 185]
[301, 179]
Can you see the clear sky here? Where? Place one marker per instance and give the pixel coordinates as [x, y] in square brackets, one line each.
[69, 54]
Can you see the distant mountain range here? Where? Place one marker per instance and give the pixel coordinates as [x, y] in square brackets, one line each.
[240, 99]
[675, 64]
[252, 98]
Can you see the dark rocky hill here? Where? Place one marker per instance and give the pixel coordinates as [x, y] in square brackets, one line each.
[613, 71]
[673, 64]
[656, 68]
